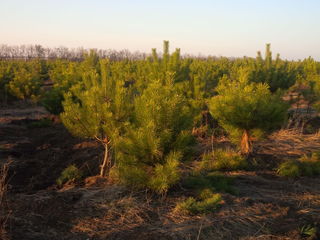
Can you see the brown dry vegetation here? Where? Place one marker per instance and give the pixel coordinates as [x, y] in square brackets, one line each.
[289, 144]
[266, 207]
[4, 210]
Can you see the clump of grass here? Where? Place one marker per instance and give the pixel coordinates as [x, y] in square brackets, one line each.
[206, 187]
[290, 168]
[213, 180]
[44, 122]
[208, 202]
[71, 173]
[223, 160]
[304, 166]
[309, 231]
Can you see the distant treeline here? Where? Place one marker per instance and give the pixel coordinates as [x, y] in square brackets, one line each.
[27, 52]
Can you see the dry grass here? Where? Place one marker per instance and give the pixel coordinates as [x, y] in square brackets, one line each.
[4, 214]
[289, 143]
[123, 214]
[267, 207]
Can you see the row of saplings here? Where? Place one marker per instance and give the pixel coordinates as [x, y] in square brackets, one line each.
[146, 141]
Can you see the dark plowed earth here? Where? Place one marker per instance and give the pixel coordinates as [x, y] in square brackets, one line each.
[266, 207]
[39, 154]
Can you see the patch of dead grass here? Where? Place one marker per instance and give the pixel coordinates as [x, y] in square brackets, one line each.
[289, 144]
[4, 212]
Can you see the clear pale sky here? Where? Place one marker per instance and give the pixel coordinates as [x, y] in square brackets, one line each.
[216, 27]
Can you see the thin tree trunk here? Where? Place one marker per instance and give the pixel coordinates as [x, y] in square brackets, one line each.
[246, 145]
[105, 164]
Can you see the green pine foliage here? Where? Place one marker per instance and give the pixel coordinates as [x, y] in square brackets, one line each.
[97, 108]
[242, 106]
[157, 140]
[276, 73]
[208, 202]
[27, 80]
[226, 160]
[52, 100]
[158, 67]
[64, 75]
[304, 166]
[198, 86]
[71, 173]
[290, 169]
[6, 75]
[166, 174]
[308, 83]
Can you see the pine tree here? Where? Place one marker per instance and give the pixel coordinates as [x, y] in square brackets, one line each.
[276, 73]
[242, 106]
[308, 84]
[27, 81]
[6, 75]
[97, 108]
[159, 137]
[64, 75]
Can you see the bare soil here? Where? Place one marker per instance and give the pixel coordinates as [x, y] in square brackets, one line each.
[266, 207]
